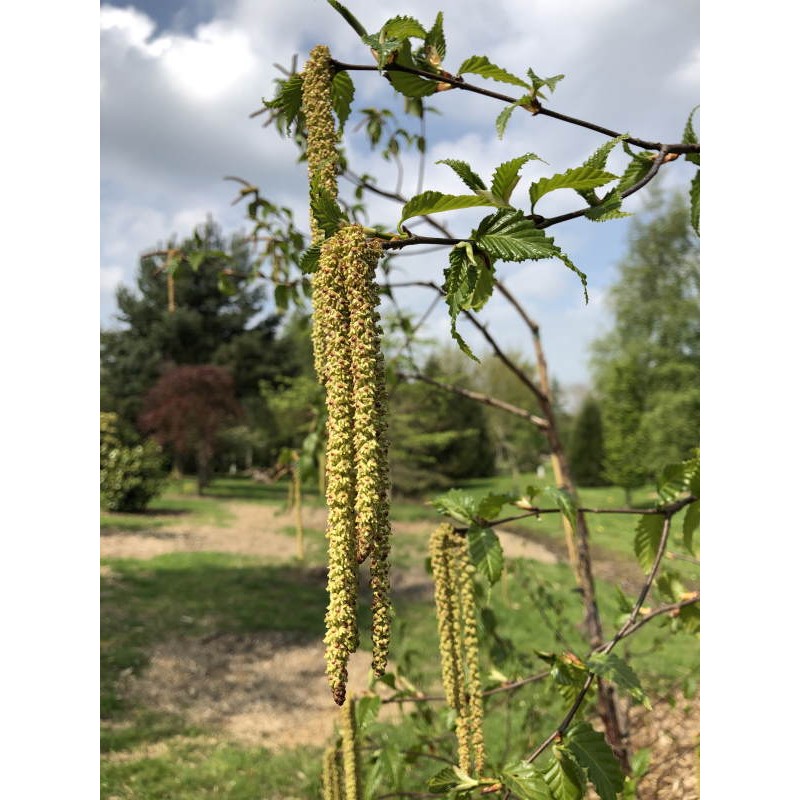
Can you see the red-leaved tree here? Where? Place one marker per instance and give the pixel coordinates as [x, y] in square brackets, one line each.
[186, 410]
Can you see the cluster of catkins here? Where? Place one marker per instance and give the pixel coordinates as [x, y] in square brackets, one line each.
[348, 359]
[340, 765]
[458, 642]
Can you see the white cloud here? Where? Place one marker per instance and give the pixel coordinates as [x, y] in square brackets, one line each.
[110, 278]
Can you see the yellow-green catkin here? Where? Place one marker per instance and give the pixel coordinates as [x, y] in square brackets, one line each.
[332, 777]
[333, 317]
[320, 126]
[458, 642]
[350, 755]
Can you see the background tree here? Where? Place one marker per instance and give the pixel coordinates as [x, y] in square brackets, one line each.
[586, 452]
[187, 409]
[647, 368]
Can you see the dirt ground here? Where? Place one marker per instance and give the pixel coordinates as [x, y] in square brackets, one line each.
[270, 689]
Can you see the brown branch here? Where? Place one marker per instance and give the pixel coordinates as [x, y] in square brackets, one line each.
[478, 397]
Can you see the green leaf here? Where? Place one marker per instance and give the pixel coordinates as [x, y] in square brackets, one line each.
[694, 197]
[460, 280]
[608, 208]
[196, 260]
[537, 82]
[451, 778]
[226, 285]
[309, 261]
[289, 99]
[691, 522]
[435, 44]
[326, 210]
[432, 202]
[457, 504]
[564, 777]
[403, 28]
[600, 156]
[342, 93]
[525, 781]
[690, 137]
[648, 535]
[411, 85]
[486, 553]
[367, 710]
[506, 176]
[349, 18]
[590, 750]
[564, 501]
[483, 289]
[507, 235]
[676, 479]
[281, 296]
[384, 48]
[491, 504]
[480, 65]
[503, 117]
[612, 668]
[579, 178]
[465, 172]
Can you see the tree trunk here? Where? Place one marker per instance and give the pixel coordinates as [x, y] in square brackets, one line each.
[203, 467]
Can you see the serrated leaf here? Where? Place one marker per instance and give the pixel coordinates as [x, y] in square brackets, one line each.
[503, 117]
[636, 170]
[483, 289]
[648, 535]
[491, 504]
[435, 43]
[433, 202]
[690, 137]
[691, 522]
[694, 197]
[508, 236]
[506, 177]
[451, 778]
[564, 501]
[579, 178]
[537, 82]
[608, 208]
[564, 777]
[457, 504]
[349, 18]
[383, 48]
[411, 85]
[612, 668]
[403, 28]
[342, 93]
[595, 756]
[526, 782]
[289, 99]
[600, 156]
[367, 710]
[480, 65]
[465, 172]
[326, 211]
[486, 553]
[309, 261]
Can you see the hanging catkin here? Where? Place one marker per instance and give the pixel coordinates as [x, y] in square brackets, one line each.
[346, 336]
[350, 756]
[458, 642]
[332, 778]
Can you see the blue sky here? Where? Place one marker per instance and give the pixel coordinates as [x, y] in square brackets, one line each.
[179, 79]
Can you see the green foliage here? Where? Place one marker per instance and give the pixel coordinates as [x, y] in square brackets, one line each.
[590, 751]
[131, 475]
[480, 65]
[579, 178]
[526, 782]
[585, 450]
[433, 202]
[485, 552]
[612, 668]
[564, 777]
[649, 530]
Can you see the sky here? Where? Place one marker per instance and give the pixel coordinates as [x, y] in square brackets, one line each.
[178, 81]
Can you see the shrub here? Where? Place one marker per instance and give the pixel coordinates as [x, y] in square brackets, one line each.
[131, 474]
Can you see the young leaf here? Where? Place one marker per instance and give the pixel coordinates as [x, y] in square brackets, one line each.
[690, 137]
[349, 18]
[565, 502]
[611, 667]
[485, 552]
[326, 210]
[648, 535]
[507, 235]
[451, 778]
[691, 522]
[537, 82]
[411, 85]
[480, 65]
[694, 197]
[383, 48]
[564, 777]
[506, 176]
[579, 178]
[309, 261]
[435, 44]
[367, 710]
[600, 156]
[608, 208]
[490, 505]
[403, 28]
[281, 293]
[289, 99]
[525, 781]
[342, 92]
[590, 750]
[465, 172]
[457, 504]
[503, 117]
[431, 202]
